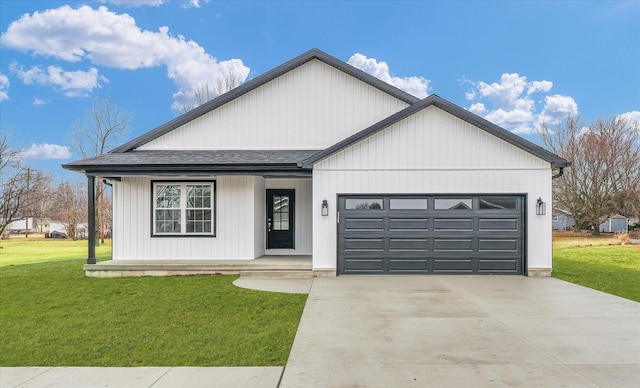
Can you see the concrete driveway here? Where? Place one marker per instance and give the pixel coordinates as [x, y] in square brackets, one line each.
[403, 331]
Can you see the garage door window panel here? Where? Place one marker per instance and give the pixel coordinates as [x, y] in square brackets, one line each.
[408, 203]
[364, 204]
[498, 203]
[453, 204]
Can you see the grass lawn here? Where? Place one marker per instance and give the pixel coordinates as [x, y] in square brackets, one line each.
[20, 250]
[52, 315]
[594, 263]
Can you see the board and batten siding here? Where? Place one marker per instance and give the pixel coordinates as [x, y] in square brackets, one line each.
[432, 152]
[236, 214]
[311, 107]
[259, 216]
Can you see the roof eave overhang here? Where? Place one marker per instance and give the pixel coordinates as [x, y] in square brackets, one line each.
[188, 170]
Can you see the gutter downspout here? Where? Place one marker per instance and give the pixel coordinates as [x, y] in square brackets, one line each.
[559, 174]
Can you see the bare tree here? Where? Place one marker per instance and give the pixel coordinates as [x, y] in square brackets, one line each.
[202, 94]
[18, 184]
[227, 82]
[70, 207]
[605, 176]
[103, 126]
[39, 201]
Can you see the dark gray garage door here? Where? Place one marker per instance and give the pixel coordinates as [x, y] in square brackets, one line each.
[461, 234]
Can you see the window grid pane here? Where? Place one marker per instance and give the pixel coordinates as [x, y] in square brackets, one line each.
[281, 212]
[168, 221]
[168, 196]
[199, 212]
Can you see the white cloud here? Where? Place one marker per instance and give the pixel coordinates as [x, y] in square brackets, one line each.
[135, 3]
[38, 101]
[153, 3]
[417, 86]
[196, 3]
[470, 95]
[106, 38]
[46, 151]
[478, 108]
[632, 118]
[4, 87]
[508, 103]
[539, 86]
[72, 83]
[556, 109]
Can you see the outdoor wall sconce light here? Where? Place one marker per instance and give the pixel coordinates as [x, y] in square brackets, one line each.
[325, 208]
[541, 207]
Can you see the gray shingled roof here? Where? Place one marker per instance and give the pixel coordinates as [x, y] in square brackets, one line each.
[453, 109]
[186, 161]
[261, 80]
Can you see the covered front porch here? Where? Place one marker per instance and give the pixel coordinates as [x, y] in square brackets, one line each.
[293, 266]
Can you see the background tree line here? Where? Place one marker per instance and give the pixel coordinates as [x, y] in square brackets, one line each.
[604, 178]
[27, 192]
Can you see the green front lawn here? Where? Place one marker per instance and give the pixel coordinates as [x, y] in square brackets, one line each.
[50, 314]
[613, 269]
[37, 249]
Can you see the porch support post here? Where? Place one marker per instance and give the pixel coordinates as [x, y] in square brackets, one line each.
[91, 233]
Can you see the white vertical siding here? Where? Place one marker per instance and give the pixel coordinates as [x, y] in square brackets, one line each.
[432, 152]
[311, 107]
[303, 215]
[259, 216]
[432, 139]
[236, 214]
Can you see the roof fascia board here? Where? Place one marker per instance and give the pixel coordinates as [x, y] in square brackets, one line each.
[259, 81]
[451, 108]
[185, 171]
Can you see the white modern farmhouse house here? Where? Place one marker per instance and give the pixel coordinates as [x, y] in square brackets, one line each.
[316, 159]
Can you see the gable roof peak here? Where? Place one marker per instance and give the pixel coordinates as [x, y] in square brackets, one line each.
[248, 86]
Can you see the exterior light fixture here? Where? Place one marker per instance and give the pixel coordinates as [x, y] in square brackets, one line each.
[541, 207]
[325, 208]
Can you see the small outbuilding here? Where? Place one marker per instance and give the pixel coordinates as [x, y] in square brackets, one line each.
[615, 224]
[562, 220]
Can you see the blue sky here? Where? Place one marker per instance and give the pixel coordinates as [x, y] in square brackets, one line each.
[515, 63]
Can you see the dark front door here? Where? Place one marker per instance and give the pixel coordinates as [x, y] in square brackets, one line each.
[280, 219]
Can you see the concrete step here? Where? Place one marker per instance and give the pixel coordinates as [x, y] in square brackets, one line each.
[284, 274]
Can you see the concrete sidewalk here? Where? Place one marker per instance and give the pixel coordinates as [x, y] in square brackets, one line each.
[420, 331]
[156, 377]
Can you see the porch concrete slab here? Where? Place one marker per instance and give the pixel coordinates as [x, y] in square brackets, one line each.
[287, 286]
[463, 331]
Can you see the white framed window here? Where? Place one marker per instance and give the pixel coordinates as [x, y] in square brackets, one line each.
[183, 208]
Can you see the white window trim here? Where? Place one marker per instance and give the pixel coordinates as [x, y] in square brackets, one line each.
[183, 208]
